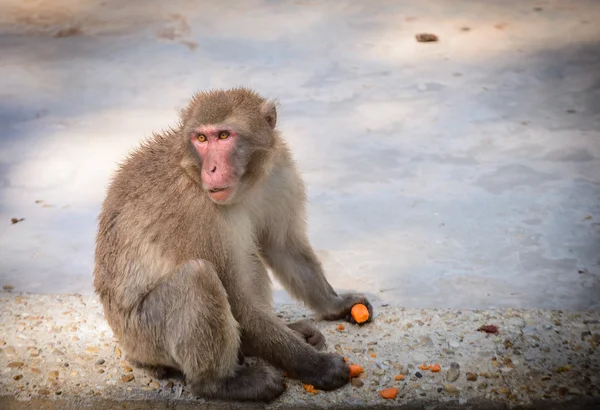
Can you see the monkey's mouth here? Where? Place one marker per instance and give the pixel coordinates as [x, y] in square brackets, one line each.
[220, 194]
[212, 191]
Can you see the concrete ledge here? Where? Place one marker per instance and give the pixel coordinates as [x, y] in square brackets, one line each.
[160, 404]
[58, 352]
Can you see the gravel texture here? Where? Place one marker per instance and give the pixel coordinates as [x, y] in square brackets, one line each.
[57, 351]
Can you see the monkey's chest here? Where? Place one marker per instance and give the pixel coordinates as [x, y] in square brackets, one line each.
[240, 239]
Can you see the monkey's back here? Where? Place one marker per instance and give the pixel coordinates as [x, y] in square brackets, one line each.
[151, 220]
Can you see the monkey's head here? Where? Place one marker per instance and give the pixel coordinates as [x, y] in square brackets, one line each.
[230, 138]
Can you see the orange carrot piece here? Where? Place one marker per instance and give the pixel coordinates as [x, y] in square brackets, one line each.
[355, 370]
[360, 313]
[310, 388]
[389, 393]
[424, 366]
[435, 368]
[399, 377]
[373, 355]
[341, 327]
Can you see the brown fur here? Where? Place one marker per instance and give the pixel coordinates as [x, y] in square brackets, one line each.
[183, 280]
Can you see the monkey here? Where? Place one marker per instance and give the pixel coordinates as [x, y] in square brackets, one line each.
[192, 220]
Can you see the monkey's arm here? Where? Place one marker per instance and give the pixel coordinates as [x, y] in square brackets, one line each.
[295, 264]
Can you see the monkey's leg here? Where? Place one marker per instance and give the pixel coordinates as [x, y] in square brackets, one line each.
[190, 312]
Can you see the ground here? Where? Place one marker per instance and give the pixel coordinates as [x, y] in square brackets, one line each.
[58, 351]
[458, 173]
[462, 173]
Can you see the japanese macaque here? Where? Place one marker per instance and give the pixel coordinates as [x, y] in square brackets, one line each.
[191, 222]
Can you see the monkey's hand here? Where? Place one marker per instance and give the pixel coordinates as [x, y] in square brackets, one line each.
[343, 305]
[325, 371]
[309, 333]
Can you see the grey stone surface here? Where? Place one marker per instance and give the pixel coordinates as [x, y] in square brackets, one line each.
[56, 351]
[462, 173]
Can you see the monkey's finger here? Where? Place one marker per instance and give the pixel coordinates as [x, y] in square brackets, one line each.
[317, 340]
[370, 309]
[359, 299]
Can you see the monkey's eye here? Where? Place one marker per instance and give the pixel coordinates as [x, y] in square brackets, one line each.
[223, 135]
[201, 137]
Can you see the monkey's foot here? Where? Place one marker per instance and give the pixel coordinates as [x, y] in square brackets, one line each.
[261, 382]
[159, 372]
[164, 372]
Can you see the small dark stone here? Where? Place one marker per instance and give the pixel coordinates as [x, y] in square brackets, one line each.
[100, 361]
[472, 377]
[426, 37]
[418, 374]
[440, 389]
[356, 382]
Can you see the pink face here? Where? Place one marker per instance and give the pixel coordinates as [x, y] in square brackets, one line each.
[215, 145]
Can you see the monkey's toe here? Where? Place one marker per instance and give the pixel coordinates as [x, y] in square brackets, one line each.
[164, 372]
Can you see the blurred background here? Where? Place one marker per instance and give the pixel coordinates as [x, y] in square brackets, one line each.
[463, 172]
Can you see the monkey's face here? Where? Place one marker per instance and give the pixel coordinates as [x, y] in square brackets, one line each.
[223, 160]
[232, 135]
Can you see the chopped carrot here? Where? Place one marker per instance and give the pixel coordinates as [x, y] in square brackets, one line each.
[424, 366]
[389, 393]
[360, 313]
[310, 388]
[346, 359]
[399, 377]
[355, 370]
[373, 355]
[435, 368]
[340, 327]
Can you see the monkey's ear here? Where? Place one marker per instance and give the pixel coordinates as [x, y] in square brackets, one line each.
[269, 112]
